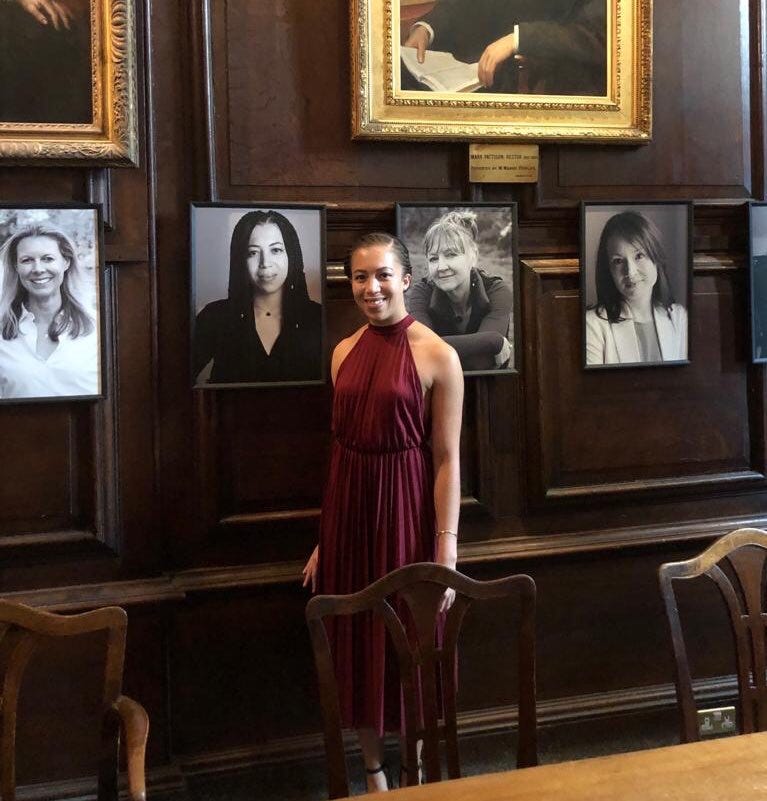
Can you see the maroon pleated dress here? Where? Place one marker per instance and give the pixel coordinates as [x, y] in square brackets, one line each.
[378, 510]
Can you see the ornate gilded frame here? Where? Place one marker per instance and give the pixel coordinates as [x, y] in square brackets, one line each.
[111, 138]
[381, 110]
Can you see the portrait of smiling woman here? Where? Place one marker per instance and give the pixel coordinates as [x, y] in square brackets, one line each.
[49, 332]
[464, 278]
[257, 294]
[638, 268]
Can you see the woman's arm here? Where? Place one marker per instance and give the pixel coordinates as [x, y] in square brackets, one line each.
[417, 299]
[446, 410]
[478, 350]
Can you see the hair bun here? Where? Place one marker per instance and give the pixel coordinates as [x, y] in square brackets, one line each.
[465, 218]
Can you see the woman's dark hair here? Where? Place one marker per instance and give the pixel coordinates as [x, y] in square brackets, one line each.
[373, 240]
[632, 227]
[294, 292]
[72, 316]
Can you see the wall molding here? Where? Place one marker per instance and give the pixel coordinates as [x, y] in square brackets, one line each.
[702, 480]
[175, 587]
[525, 546]
[81, 597]
[702, 263]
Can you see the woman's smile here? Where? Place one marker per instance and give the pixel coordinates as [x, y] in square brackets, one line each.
[267, 258]
[40, 265]
[378, 284]
[449, 267]
[633, 272]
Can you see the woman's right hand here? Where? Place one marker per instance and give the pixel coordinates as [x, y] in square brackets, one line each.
[310, 570]
[45, 11]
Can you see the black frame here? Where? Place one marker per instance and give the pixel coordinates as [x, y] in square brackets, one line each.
[752, 305]
[245, 208]
[99, 269]
[512, 279]
[584, 274]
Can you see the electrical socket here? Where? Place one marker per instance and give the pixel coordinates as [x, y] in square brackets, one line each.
[714, 722]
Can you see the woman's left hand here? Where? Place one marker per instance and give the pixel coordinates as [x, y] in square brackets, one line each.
[447, 600]
[504, 354]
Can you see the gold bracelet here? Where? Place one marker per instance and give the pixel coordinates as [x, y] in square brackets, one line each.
[447, 531]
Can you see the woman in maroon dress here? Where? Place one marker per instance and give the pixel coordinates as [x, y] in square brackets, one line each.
[393, 490]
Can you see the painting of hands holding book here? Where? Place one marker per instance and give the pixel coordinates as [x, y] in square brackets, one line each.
[554, 47]
[440, 72]
[482, 70]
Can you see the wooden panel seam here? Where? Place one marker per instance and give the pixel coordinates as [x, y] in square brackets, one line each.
[677, 482]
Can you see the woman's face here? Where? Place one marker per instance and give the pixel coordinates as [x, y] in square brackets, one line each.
[40, 265]
[267, 259]
[379, 284]
[449, 265]
[633, 271]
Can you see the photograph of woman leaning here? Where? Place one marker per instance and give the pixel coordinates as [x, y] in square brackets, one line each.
[463, 279]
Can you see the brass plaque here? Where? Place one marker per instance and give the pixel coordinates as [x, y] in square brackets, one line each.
[503, 164]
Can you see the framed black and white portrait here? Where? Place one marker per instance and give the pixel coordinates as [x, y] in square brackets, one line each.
[636, 283]
[258, 283]
[758, 271]
[464, 284]
[51, 320]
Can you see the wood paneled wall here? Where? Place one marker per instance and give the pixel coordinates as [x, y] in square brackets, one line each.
[195, 509]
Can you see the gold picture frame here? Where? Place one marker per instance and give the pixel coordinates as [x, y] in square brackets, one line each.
[87, 113]
[382, 109]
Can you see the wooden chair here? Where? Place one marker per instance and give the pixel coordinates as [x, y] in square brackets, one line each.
[22, 629]
[736, 564]
[419, 589]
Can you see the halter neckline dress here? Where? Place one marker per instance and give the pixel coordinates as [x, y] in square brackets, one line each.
[378, 510]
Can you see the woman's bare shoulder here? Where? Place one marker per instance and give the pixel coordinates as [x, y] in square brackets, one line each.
[433, 351]
[422, 336]
[342, 350]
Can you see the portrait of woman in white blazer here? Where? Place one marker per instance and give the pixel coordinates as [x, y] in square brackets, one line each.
[637, 312]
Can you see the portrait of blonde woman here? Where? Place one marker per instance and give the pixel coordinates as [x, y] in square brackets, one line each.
[49, 319]
[463, 279]
[637, 271]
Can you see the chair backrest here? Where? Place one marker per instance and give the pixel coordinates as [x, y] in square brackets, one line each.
[423, 662]
[22, 630]
[736, 564]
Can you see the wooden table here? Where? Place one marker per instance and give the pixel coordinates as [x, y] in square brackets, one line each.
[727, 769]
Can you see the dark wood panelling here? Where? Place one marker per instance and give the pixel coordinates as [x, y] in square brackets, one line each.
[271, 448]
[256, 662]
[700, 148]
[627, 430]
[289, 97]
[196, 509]
[33, 500]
